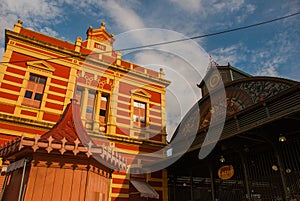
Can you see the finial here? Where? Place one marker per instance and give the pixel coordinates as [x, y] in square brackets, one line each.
[20, 21]
[79, 38]
[103, 24]
[212, 62]
[89, 31]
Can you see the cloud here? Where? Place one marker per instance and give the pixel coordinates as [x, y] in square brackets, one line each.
[123, 16]
[36, 14]
[233, 54]
[48, 31]
[189, 5]
[268, 70]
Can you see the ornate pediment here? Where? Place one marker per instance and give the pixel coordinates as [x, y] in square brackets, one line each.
[41, 66]
[100, 34]
[141, 93]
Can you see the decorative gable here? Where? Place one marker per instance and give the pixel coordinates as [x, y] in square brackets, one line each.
[41, 66]
[69, 126]
[141, 93]
[100, 34]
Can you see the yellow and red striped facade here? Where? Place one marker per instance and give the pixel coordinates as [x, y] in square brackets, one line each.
[95, 68]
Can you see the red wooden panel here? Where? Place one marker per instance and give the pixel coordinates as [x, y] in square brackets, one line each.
[48, 186]
[39, 183]
[67, 185]
[76, 185]
[83, 185]
[58, 187]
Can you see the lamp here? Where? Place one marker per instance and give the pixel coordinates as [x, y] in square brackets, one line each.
[281, 138]
[288, 170]
[222, 159]
[274, 167]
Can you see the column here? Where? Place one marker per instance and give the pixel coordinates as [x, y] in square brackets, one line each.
[97, 110]
[84, 99]
[212, 183]
[246, 177]
[112, 110]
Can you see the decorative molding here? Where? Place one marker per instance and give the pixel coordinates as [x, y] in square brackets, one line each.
[64, 147]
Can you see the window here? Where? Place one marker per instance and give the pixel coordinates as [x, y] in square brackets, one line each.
[78, 95]
[103, 109]
[139, 114]
[90, 105]
[34, 91]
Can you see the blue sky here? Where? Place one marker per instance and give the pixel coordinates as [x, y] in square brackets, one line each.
[271, 49]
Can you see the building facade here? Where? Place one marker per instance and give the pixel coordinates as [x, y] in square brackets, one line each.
[122, 104]
[256, 156]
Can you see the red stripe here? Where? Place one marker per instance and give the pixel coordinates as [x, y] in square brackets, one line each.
[51, 117]
[7, 108]
[122, 113]
[154, 120]
[120, 181]
[8, 96]
[124, 106]
[10, 87]
[59, 82]
[123, 121]
[21, 129]
[120, 190]
[29, 113]
[128, 147]
[15, 71]
[13, 79]
[58, 90]
[121, 98]
[54, 106]
[123, 131]
[55, 97]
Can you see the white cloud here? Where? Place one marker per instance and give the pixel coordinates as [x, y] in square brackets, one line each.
[33, 12]
[48, 31]
[36, 14]
[232, 54]
[189, 5]
[124, 16]
[268, 70]
[225, 6]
